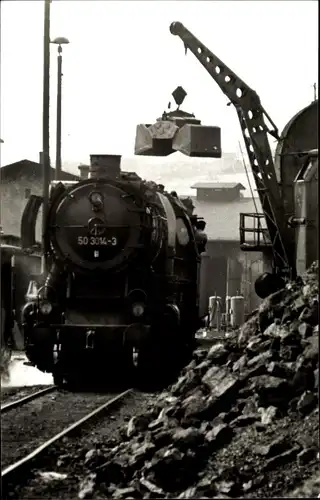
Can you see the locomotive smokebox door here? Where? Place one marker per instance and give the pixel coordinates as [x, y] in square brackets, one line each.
[198, 140]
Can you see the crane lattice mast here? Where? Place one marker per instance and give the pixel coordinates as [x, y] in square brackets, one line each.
[255, 132]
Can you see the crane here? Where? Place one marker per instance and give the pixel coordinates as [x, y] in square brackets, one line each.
[255, 132]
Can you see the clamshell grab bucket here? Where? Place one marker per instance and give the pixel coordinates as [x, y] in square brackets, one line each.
[198, 140]
[166, 137]
[156, 139]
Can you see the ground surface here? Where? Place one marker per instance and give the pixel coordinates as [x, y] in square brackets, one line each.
[10, 394]
[72, 456]
[241, 421]
[25, 428]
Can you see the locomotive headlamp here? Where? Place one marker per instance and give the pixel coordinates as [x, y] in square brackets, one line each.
[96, 199]
[45, 307]
[138, 309]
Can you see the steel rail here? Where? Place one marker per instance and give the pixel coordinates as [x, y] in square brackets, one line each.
[19, 402]
[16, 470]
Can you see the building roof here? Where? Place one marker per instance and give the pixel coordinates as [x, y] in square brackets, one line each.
[223, 218]
[30, 169]
[218, 185]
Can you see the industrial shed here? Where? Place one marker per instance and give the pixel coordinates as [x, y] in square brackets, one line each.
[227, 269]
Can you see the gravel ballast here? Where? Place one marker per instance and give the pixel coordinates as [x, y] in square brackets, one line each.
[26, 427]
[76, 453]
[10, 394]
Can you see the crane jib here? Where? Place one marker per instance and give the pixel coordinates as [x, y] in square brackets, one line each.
[255, 131]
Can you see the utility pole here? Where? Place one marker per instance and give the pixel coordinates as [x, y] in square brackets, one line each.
[45, 155]
[58, 148]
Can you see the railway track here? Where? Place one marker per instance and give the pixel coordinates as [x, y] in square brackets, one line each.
[20, 402]
[21, 469]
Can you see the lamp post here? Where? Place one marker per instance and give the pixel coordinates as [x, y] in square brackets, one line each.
[59, 41]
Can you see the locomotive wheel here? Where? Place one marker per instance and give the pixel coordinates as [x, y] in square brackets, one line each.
[122, 367]
[58, 378]
[57, 373]
[149, 370]
[126, 365]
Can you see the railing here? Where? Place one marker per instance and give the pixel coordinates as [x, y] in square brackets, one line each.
[253, 224]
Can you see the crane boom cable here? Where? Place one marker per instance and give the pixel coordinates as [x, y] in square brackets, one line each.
[248, 178]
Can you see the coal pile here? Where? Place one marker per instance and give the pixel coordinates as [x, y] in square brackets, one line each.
[241, 421]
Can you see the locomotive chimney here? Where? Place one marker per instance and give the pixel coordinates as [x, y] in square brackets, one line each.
[84, 171]
[105, 166]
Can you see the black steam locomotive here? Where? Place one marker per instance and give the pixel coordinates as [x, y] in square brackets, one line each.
[120, 289]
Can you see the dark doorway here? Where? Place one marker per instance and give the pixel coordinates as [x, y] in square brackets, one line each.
[217, 270]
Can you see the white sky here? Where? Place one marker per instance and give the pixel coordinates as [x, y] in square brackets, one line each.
[122, 64]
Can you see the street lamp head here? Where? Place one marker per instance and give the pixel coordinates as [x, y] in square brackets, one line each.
[60, 40]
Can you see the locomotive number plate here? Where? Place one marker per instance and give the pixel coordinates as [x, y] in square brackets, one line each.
[97, 241]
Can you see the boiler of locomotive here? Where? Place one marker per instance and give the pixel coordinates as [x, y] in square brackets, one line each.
[98, 224]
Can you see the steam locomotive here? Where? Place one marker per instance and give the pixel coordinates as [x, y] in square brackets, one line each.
[120, 287]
